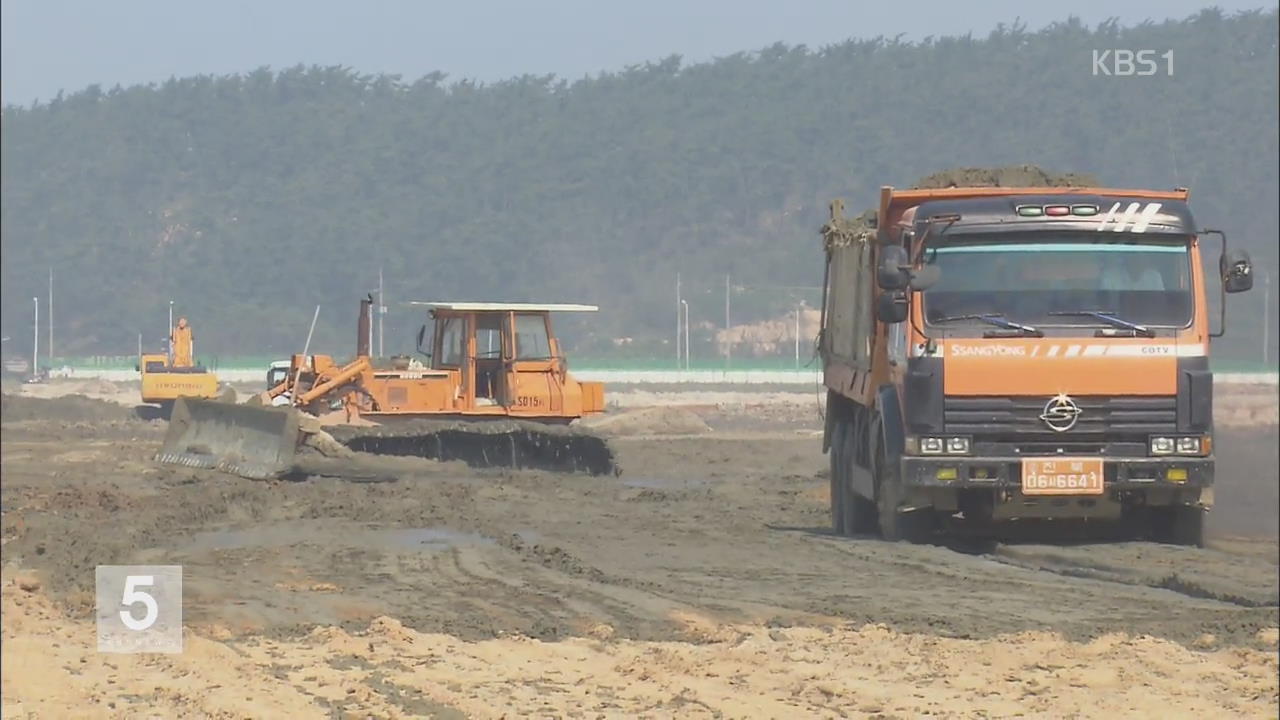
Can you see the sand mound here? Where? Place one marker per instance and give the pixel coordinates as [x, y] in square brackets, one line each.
[87, 386]
[392, 670]
[18, 408]
[646, 421]
[121, 393]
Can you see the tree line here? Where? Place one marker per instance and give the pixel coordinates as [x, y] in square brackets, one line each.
[248, 199]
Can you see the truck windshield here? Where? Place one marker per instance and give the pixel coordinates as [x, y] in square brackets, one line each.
[1062, 279]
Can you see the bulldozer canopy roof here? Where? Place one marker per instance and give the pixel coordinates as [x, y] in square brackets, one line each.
[507, 307]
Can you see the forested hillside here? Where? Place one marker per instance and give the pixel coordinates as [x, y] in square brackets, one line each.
[250, 199]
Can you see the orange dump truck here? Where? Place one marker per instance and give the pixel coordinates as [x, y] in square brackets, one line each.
[998, 355]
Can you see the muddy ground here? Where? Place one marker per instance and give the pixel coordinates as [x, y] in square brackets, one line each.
[700, 535]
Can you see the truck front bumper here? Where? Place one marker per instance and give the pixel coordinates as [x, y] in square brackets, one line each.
[1121, 473]
[992, 486]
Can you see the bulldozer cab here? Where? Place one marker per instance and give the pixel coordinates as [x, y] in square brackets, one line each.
[506, 355]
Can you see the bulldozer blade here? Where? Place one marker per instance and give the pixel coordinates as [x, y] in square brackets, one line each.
[253, 442]
[486, 444]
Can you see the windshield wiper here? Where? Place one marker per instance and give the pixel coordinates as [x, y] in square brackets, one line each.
[996, 319]
[1109, 318]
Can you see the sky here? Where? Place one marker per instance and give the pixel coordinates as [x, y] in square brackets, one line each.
[52, 45]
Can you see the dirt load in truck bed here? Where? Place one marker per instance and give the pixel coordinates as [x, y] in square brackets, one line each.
[1010, 176]
[845, 228]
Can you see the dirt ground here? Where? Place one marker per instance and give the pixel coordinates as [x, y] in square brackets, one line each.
[701, 582]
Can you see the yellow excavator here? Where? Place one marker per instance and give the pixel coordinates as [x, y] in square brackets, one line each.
[174, 374]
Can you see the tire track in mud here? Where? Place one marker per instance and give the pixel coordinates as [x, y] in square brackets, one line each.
[933, 588]
[1207, 575]
[473, 595]
[610, 604]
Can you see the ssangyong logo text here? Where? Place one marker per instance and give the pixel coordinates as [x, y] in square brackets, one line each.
[988, 351]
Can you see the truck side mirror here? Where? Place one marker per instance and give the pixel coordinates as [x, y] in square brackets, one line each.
[422, 334]
[1236, 270]
[893, 273]
[891, 307]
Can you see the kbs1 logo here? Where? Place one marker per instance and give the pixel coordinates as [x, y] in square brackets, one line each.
[1132, 63]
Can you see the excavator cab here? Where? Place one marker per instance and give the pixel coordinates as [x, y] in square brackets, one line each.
[165, 377]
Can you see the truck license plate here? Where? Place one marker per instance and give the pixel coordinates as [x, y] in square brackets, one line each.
[1062, 476]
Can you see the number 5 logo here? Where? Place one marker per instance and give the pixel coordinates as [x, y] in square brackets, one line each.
[139, 608]
[133, 596]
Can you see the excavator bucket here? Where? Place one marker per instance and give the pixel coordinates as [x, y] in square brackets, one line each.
[246, 440]
[488, 443]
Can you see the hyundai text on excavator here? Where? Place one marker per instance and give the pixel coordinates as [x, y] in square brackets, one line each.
[997, 354]
[494, 362]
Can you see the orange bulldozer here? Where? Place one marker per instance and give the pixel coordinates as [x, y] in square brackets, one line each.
[495, 391]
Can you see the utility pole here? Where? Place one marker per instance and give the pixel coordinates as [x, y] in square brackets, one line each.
[49, 314]
[678, 301]
[169, 334]
[798, 336]
[35, 340]
[685, 303]
[1266, 319]
[728, 339]
[382, 309]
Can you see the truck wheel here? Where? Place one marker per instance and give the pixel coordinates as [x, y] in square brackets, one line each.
[914, 527]
[836, 453]
[860, 515]
[1179, 525]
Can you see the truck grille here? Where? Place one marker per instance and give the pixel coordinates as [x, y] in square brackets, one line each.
[1018, 418]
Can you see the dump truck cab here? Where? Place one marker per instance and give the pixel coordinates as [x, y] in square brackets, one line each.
[277, 371]
[1038, 353]
[277, 374]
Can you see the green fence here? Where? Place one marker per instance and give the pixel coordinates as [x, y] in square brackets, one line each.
[254, 362]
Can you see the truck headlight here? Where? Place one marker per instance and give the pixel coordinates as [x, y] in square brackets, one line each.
[1188, 446]
[1191, 445]
[944, 445]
